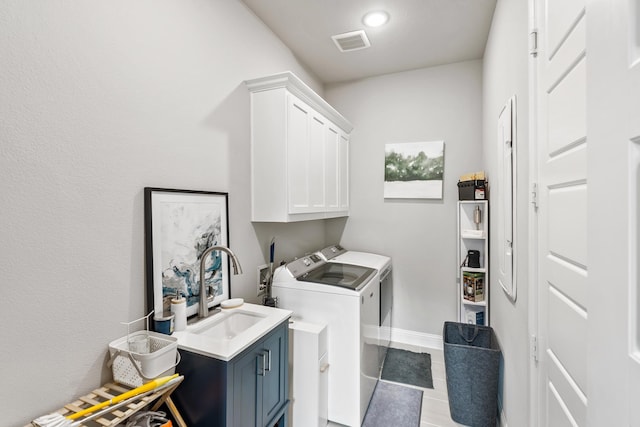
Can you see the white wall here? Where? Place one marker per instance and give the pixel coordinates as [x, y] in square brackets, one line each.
[99, 100]
[505, 74]
[439, 103]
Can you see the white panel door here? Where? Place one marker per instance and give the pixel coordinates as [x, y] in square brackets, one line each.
[630, 136]
[588, 77]
[613, 113]
[562, 213]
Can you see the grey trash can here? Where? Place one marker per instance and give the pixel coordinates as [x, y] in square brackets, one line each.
[472, 360]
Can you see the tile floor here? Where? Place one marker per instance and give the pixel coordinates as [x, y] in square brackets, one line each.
[435, 406]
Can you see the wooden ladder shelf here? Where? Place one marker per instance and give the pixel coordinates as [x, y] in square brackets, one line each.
[117, 413]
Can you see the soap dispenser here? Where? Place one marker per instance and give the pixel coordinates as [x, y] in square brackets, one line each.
[179, 310]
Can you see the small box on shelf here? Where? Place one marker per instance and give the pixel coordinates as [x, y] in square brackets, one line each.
[472, 186]
[473, 286]
[472, 190]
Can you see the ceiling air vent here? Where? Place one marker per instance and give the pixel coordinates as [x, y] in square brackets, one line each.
[354, 40]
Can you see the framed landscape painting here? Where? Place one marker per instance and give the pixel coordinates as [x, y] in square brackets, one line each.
[414, 170]
[179, 226]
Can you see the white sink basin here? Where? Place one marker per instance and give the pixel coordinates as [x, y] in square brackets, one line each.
[229, 326]
[225, 334]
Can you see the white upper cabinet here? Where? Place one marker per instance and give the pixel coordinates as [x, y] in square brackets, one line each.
[299, 152]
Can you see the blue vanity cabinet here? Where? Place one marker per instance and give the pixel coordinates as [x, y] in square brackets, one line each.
[260, 381]
[249, 390]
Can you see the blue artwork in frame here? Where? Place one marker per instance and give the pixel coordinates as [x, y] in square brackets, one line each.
[179, 226]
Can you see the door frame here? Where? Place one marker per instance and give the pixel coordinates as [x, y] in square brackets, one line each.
[532, 213]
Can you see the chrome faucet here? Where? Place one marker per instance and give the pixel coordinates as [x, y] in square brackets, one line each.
[203, 309]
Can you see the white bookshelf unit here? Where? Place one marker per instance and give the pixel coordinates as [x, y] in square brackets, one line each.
[473, 272]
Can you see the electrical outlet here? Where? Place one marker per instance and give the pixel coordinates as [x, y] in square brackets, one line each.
[263, 275]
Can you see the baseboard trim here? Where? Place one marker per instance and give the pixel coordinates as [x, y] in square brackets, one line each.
[421, 339]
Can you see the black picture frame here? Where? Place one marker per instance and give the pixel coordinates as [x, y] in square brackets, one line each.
[179, 226]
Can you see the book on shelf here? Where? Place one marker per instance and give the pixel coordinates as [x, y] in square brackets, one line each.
[473, 286]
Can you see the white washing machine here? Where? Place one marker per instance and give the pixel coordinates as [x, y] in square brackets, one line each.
[346, 298]
[382, 264]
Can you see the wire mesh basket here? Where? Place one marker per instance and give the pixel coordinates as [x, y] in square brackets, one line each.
[142, 356]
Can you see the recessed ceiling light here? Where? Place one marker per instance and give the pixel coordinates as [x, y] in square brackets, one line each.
[376, 18]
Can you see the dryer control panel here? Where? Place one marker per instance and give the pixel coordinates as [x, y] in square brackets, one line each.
[331, 252]
[301, 266]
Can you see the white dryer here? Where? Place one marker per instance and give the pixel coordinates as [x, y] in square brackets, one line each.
[382, 264]
[336, 253]
[346, 298]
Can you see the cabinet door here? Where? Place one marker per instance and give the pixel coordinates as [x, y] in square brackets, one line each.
[316, 169]
[298, 149]
[274, 381]
[247, 371]
[305, 158]
[343, 171]
[332, 153]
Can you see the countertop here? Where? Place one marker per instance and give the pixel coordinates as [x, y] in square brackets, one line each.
[192, 339]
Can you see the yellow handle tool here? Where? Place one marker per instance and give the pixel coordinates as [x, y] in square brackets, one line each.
[143, 388]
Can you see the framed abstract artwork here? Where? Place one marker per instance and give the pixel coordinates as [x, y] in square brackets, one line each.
[179, 226]
[414, 170]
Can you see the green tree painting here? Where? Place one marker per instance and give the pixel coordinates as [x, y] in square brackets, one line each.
[414, 170]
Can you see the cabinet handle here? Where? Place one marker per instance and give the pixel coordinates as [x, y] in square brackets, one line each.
[264, 368]
[324, 367]
[269, 361]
